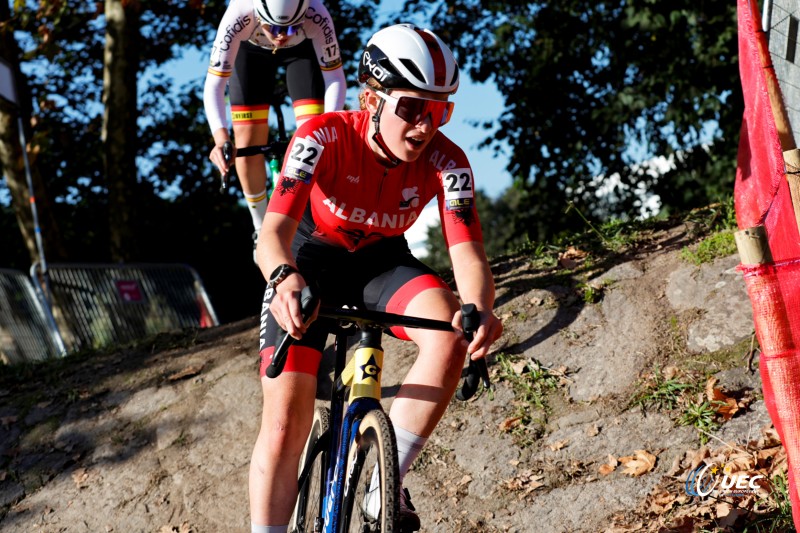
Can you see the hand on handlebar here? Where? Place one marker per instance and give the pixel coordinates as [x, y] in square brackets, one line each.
[288, 311]
[308, 306]
[480, 329]
[489, 330]
[223, 155]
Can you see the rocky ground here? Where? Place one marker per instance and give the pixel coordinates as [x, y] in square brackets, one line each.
[605, 349]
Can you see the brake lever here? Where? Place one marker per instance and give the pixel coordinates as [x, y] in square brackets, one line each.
[478, 370]
[308, 303]
[227, 155]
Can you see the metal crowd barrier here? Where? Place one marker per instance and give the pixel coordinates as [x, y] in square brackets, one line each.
[96, 305]
[27, 330]
[781, 20]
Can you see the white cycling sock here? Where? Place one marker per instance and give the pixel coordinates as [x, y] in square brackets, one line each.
[409, 446]
[254, 528]
[257, 205]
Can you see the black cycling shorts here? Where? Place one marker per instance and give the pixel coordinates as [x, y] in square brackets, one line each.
[381, 277]
[252, 82]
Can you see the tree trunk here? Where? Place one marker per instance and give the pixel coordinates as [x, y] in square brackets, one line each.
[12, 162]
[121, 63]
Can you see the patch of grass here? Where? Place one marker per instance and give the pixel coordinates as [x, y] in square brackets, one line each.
[681, 396]
[660, 392]
[715, 217]
[774, 511]
[181, 440]
[591, 295]
[531, 382]
[701, 415]
[722, 359]
[719, 244]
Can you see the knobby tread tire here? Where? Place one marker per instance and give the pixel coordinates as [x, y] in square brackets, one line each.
[308, 509]
[375, 442]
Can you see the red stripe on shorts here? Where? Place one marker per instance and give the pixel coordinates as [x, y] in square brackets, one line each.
[400, 299]
[299, 359]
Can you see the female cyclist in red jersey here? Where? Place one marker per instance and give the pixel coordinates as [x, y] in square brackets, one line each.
[352, 183]
[254, 38]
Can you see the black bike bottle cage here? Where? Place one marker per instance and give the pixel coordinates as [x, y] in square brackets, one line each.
[378, 138]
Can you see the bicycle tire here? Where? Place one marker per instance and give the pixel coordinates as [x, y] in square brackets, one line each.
[375, 443]
[307, 515]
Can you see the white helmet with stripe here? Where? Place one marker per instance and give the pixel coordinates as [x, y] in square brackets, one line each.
[281, 12]
[404, 56]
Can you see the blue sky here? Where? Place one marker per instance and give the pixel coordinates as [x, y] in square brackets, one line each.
[474, 103]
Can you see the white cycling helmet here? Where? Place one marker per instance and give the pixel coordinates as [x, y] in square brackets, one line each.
[281, 12]
[404, 56]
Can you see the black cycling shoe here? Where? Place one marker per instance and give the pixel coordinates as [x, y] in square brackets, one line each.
[409, 521]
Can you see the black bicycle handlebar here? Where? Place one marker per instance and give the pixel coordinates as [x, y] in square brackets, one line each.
[477, 370]
[308, 302]
[227, 155]
[470, 320]
[274, 150]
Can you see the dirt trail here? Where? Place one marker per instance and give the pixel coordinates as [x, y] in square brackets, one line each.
[158, 437]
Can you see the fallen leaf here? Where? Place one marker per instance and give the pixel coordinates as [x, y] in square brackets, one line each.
[519, 367]
[606, 469]
[670, 372]
[510, 423]
[80, 476]
[661, 501]
[639, 463]
[729, 408]
[609, 467]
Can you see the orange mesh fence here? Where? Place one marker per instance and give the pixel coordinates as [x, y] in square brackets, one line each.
[762, 198]
[774, 291]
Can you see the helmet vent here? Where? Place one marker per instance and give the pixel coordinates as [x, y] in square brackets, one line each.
[412, 68]
[454, 81]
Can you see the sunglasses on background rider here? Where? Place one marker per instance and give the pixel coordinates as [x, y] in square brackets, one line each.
[276, 30]
[414, 110]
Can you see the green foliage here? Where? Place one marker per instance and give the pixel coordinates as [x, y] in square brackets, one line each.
[701, 415]
[531, 382]
[584, 81]
[182, 214]
[774, 511]
[661, 393]
[720, 244]
[497, 223]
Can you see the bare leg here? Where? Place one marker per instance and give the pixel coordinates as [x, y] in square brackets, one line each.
[251, 170]
[432, 380]
[285, 422]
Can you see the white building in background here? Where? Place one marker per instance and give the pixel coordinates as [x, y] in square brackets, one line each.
[417, 234]
[780, 20]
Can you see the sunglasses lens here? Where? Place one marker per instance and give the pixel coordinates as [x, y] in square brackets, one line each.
[287, 30]
[414, 110]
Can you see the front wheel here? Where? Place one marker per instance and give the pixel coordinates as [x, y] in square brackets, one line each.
[307, 517]
[372, 487]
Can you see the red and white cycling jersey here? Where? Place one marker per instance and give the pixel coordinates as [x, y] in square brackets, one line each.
[239, 23]
[355, 200]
